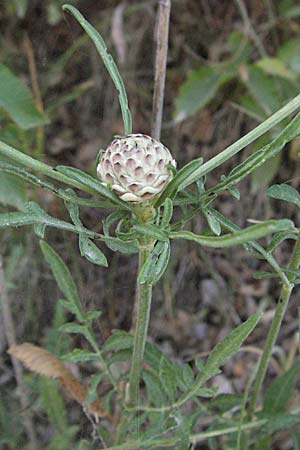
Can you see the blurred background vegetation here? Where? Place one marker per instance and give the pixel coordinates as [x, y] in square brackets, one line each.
[230, 65]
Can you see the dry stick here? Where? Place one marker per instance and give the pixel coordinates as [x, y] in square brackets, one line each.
[249, 28]
[11, 339]
[36, 91]
[160, 65]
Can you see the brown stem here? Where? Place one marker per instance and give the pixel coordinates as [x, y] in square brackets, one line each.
[162, 34]
[9, 330]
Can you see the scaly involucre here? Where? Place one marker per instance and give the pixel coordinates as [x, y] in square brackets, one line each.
[136, 167]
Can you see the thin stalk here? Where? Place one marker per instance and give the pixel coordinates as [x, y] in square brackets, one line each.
[274, 330]
[143, 306]
[143, 315]
[162, 35]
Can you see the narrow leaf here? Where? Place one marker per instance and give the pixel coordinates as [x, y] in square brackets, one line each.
[91, 252]
[63, 278]
[151, 230]
[239, 237]
[155, 264]
[109, 64]
[78, 355]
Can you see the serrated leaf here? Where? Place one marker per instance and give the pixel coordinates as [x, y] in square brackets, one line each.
[279, 392]
[63, 278]
[119, 340]
[92, 389]
[228, 346]
[167, 376]
[155, 393]
[17, 101]
[284, 192]
[73, 327]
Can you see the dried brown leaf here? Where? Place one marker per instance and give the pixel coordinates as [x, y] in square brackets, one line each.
[41, 361]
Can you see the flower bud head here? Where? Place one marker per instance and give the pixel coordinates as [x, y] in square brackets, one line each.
[135, 167]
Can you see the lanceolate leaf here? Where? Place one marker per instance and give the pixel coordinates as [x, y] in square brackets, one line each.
[63, 277]
[155, 264]
[280, 391]
[151, 230]
[108, 62]
[239, 237]
[221, 353]
[17, 101]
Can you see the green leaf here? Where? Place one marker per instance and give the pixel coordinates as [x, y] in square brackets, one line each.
[167, 213]
[261, 275]
[176, 183]
[78, 355]
[284, 192]
[281, 422]
[73, 327]
[156, 395]
[167, 376]
[289, 54]
[225, 402]
[155, 264]
[52, 402]
[12, 191]
[228, 347]
[92, 389]
[17, 101]
[109, 64]
[16, 219]
[151, 230]
[198, 90]
[91, 252]
[239, 237]
[262, 88]
[63, 278]
[213, 222]
[119, 340]
[280, 391]
[278, 238]
[275, 66]
[264, 174]
[118, 245]
[259, 158]
[91, 182]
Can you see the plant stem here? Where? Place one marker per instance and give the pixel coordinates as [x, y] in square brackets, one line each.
[274, 330]
[144, 296]
[143, 315]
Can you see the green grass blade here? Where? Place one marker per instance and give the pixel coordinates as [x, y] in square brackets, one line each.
[109, 64]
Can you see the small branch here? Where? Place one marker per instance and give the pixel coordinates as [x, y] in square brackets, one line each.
[249, 28]
[162, 34]
[274, 331]
[11, 339]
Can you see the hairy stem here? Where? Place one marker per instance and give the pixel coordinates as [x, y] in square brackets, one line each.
[143, 314]
[274, 330]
